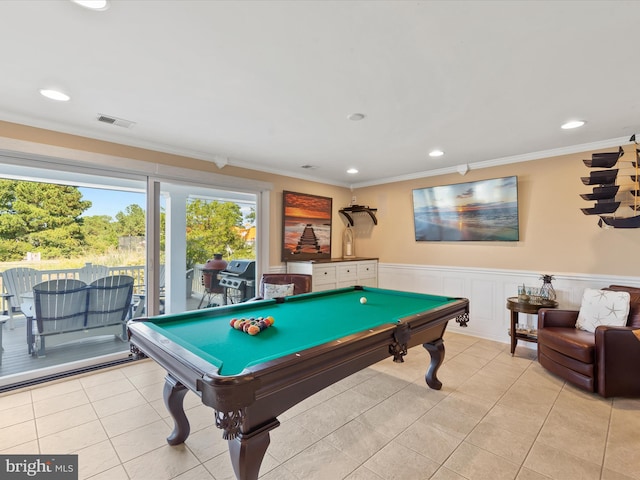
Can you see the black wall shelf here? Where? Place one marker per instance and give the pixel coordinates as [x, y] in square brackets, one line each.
[347, 211]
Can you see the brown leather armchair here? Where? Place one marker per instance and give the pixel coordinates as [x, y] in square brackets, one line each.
[606, 362]
[301, 282]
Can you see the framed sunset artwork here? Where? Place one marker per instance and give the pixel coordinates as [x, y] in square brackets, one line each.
[306, 226]
[484, 210]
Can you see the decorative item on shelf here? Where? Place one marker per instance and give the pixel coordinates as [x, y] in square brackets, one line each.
[535, 297]
[531, 295]
[522, 294]
[547, 292]
[615, 190]
[348, 243]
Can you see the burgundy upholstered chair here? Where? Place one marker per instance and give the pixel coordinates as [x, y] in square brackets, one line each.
[606, 362]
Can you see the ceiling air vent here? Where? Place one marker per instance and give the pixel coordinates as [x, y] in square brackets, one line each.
[120, 122]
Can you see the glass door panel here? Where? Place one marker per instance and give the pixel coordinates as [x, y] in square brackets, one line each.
[62, 235]
[201, 228]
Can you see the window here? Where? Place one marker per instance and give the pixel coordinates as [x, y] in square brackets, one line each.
[112, 234]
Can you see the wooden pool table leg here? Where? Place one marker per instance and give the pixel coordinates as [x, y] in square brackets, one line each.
[247, 451]
[173, 395]
[436, 351]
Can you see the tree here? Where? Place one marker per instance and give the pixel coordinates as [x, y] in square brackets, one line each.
[214, 227]
[40, 217]
[99, 233]
[131, 223]
[251, 216]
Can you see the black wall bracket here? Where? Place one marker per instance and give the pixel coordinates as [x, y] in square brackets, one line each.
[347, 211]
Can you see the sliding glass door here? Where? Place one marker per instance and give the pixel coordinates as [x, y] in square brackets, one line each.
[61, 235]
[75, 226]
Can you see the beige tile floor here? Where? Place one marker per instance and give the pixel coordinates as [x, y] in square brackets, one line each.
[496, 417]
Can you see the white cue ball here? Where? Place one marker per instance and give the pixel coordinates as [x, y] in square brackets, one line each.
[363, 300]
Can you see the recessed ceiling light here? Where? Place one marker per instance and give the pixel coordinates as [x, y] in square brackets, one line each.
[54, 95]
[572, 124]
[355, 116]
[93, 4]
[436, 153]
[352, 171]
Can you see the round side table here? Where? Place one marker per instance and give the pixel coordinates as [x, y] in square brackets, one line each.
[517, 307]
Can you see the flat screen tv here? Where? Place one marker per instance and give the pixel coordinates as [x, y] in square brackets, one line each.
[485, 210]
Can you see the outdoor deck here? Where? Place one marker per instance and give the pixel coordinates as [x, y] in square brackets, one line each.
[19, 365]
[16, 360]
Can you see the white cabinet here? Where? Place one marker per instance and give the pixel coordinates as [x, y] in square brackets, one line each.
[324, 276]
[368, 273]
[338, 273]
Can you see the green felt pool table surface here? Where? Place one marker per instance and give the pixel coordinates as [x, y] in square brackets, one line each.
[317, 340]
[301, 322]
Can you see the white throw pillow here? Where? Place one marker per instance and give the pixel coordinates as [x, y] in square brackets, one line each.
[274, 291]
[602, 307]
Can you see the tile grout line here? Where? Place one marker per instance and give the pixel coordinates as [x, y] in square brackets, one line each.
[421, 377]
[482, 418]
[541, 426]
[606, 440]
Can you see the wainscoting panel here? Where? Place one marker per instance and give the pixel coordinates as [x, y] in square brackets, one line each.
[453, 284]
[485, 310]
[488, 290]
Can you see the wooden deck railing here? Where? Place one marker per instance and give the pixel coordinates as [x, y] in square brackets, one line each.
[136, 271]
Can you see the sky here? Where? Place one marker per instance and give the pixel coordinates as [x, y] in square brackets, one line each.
[110, 202]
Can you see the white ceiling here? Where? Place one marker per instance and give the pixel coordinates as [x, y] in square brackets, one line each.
[268, 84]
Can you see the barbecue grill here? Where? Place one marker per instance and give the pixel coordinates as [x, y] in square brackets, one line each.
[238, 281]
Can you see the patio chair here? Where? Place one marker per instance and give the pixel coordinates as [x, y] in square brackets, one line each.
[67, 310]
[139, 307]
[110, 302]
[90, 273]
[18, 281]
[60, 307]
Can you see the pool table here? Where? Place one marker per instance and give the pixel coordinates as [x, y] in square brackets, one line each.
[316, 340]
